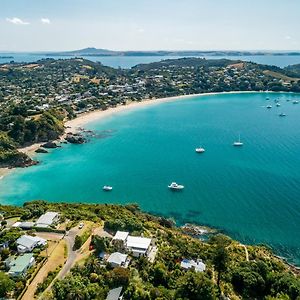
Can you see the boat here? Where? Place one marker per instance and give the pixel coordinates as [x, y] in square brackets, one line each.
[175, 186]
[295, 102]
[269, 106]
[200, 150]
[277, 104]
[238, 143]
[282, 115]
[107, 188]
[267, 98]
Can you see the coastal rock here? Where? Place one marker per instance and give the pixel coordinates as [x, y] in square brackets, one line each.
[75, 138]
[41, 150]
[50, 145]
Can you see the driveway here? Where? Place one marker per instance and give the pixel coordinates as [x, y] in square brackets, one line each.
[72, 254]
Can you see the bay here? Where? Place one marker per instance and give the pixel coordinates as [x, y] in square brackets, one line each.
[251, 193]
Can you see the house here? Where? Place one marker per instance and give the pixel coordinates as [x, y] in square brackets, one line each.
[121, 236]
[24, 225]
[118, 259]
[20, 265]
[114, 294]
[27, 243]
[198, 265]
[138, 245]
[47, 219]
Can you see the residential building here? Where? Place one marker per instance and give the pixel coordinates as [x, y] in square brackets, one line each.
[27, 243]
[198, 265]
[138, 245]
[118, 259]
[114, 294]
[20, 265]
[47, 219]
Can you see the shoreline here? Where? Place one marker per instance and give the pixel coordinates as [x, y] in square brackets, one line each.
[96, 115]
[74, 125]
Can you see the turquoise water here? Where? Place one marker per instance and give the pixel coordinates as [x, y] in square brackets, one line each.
[130, 61]
[251, 193]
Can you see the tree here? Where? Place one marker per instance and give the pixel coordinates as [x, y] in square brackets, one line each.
[196, 286]
[6, 284]
[220, 261]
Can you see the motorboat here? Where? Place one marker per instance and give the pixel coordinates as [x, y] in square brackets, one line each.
[295, 102]
[107, 188]
[175, 186]
[282, 115]
[200, 150]
[269, 106]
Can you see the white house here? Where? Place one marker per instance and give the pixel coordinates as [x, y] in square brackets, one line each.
[121, 236]
[27, 243]
[198, 265]
[138, 245]
[117, 259]
[47, 219]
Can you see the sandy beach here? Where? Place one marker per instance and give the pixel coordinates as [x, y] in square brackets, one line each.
[79, 122]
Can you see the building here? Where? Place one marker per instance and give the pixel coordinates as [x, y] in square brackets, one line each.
[47, 219]
[121, 236]
[118, 259]
[20, 265]
[24, 225]
[114, 294]
[138, 245]
[198, 265]
[27, 243]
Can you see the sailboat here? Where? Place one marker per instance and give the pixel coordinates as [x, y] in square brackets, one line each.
[238, 143]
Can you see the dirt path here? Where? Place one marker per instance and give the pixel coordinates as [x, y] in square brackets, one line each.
[55, 259]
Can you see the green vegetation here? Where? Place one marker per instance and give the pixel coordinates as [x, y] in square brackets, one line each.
[35, 98]
[229, 270]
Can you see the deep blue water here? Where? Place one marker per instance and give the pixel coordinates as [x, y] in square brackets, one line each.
[128, 62]
[251, 193]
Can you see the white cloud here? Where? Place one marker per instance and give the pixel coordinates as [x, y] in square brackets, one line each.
[17, 21]
[45, 21]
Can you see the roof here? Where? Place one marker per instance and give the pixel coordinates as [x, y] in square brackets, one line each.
[138, 242]
[121, 235]
[117, 258]
[20, 263]
[28, 241]
[114, 294]
[26, 224]
[188, 264]
[46, 219]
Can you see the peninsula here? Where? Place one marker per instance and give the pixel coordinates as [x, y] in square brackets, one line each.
[36, 99]
[53, 250]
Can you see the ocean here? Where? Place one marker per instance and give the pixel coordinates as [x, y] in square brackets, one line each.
[130, 61]
[251, 193]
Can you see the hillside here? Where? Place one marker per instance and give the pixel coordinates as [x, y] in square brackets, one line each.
[228, 268]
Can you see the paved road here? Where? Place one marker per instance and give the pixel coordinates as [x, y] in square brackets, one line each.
[72, 255]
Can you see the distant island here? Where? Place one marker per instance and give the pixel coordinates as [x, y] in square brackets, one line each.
[6, 57]
[104, 52]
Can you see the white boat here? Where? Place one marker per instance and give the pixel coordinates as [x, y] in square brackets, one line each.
[277, 104]
[200, 150]
[107, 188]
[238, 143]
[282, 115]
[269, 106]
[175, 186]
[295, 102]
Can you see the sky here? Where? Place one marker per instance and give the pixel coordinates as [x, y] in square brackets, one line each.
[58, 25]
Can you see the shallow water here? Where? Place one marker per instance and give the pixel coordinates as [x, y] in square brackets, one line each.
[251, 193]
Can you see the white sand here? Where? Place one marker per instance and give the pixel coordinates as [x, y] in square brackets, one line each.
[86, 118]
